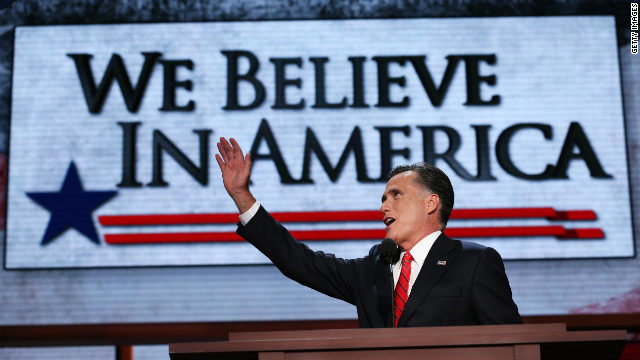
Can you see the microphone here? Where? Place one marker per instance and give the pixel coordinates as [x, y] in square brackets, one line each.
[389, 253]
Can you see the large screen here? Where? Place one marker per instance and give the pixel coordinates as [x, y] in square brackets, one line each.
[113, 129]
[116, 210]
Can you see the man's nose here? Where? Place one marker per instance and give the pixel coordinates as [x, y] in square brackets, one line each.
[384, 207]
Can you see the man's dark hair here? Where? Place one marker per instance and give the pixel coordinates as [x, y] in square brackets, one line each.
[433, 180]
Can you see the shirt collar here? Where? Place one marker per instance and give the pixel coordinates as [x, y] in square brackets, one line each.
[420, 250]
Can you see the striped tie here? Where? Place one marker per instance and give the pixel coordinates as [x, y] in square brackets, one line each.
[402, 287]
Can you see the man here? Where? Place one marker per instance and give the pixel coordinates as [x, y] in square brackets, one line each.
[439, 281]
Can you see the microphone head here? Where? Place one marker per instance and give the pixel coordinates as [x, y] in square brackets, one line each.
[389, 252]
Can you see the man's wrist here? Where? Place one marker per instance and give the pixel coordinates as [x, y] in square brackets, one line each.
[245, 217]
[244, 200]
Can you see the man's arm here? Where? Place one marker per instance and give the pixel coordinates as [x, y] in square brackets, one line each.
[317, 270]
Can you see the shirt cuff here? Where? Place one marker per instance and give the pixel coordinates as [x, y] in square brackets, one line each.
[248, 215]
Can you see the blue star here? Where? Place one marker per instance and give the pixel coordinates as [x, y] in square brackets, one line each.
[71, 207]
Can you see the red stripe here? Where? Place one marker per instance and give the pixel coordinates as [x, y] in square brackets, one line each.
[340, 216]
[191, 219]
[505, 231]
[574, 215]
[320, 235]
[302, 235]
[167, 219]
[165, 238]
[502, 213]
[583, 234]
[323, 216]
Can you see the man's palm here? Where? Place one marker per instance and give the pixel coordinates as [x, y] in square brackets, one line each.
[236, 168]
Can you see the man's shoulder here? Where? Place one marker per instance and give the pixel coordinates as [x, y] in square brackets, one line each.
[471, 246]
[468, 247]
[372, 258]
[473, 249]
[374, 253]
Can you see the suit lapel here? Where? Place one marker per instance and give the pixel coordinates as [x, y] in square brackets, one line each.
[432, 270]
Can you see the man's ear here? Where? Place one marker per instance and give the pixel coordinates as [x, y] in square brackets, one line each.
[433, 203]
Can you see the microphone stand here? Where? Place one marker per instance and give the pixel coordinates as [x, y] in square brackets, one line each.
[389, 253]
[393, 302]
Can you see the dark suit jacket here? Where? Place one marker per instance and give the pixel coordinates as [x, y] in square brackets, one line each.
[471, 289]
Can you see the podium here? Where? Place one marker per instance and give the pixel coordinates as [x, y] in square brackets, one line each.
[495, 342]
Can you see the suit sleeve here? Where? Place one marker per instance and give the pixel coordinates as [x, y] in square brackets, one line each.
[491, 293]
[322, 272]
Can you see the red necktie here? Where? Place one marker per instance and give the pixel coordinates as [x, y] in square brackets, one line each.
[402, 287]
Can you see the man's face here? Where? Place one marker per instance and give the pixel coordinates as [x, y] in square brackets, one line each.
[409, 210]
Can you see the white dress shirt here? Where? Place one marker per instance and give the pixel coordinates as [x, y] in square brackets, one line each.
[419, 254]
[249, 214]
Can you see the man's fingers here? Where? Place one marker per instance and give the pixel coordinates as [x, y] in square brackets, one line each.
[227, 148]
[222, 151]
[237, 150]
[231, 151]
[219, 160]
[247, 162]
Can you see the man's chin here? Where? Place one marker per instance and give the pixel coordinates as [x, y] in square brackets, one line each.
[391, 236]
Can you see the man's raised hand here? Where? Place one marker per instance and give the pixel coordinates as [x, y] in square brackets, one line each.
[236, 170]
